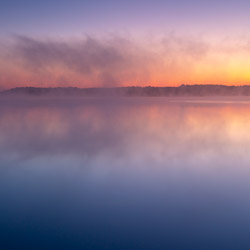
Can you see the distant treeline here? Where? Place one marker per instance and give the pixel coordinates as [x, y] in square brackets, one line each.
[183, 90]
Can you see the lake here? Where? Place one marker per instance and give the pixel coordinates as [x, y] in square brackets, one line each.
[124, 173]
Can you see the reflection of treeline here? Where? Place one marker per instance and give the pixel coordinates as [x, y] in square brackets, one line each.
[183, 90]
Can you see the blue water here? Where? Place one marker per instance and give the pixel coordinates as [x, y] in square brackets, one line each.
[129, 173]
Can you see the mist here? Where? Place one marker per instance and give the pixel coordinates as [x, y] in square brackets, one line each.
[113, 61]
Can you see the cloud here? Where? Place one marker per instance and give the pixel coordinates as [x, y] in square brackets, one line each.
[187, 47]
[90, 61]
[83, 57]
[110, 61]
[119, 61]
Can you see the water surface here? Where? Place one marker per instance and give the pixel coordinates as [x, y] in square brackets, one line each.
[127, 173]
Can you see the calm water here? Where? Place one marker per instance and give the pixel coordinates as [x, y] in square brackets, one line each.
[128, 173]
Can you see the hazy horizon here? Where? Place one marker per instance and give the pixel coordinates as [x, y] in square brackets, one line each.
[184, 90]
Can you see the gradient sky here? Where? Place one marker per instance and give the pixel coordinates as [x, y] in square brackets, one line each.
[116, 43]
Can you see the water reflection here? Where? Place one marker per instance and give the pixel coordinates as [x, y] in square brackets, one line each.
[128, 173]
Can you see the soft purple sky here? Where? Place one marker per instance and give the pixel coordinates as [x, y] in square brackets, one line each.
[73, 17]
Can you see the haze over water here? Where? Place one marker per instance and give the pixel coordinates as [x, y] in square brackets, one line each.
[127, 173]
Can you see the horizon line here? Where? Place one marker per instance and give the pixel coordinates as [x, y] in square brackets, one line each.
[127, 86]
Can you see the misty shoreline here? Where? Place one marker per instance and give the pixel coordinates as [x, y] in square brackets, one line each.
[133, 91]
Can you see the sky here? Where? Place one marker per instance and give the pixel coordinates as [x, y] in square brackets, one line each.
[122, 43]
